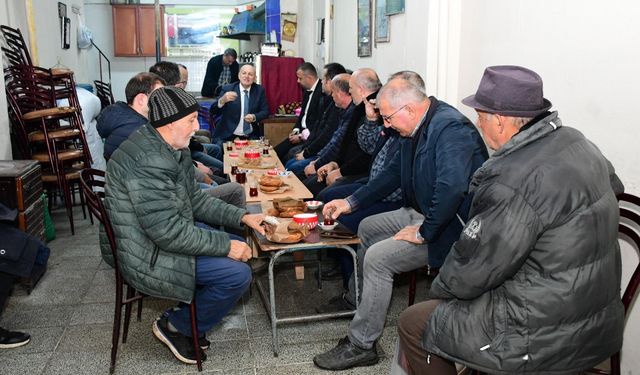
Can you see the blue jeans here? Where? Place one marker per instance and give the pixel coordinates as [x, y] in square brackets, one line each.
[220, 282]
[211, 158]
[297, 166]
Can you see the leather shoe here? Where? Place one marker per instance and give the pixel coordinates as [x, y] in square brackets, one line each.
[335, 304]
[333, 273]
[346, 355]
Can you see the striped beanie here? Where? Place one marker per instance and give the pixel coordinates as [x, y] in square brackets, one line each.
[168, 104]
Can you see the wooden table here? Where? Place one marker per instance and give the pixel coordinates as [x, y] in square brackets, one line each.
[313, 242]
[298, 190]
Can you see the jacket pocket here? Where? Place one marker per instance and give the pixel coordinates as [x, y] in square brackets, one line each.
[499, 319]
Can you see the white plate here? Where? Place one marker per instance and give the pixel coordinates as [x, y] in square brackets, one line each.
[327, 227]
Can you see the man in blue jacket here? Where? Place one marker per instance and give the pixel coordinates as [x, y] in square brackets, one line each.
[119, 120]
[440, 150]
[242, 105]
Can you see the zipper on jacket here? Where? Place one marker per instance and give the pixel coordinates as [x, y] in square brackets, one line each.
[429, 358]
[154, 256]
[485, 347]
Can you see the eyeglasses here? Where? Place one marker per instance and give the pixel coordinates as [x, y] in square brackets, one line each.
[388, 118]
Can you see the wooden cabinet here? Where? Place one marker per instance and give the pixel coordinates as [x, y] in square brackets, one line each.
[134, 30]
[21, 188]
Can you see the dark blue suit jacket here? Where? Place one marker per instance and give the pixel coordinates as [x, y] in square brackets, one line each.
[230, 112]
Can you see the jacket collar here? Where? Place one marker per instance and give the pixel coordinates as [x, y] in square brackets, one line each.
[532, 133]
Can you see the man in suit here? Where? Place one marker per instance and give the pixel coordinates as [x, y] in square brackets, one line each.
[221, 70]
[311, 109]
[242, 105]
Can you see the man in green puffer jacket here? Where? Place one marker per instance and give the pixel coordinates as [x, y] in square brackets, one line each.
[532, 286]
[153, 202]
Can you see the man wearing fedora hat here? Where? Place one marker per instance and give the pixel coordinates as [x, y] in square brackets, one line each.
[533, 283]
[153, 201]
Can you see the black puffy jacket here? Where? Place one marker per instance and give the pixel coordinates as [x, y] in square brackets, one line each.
[532, 286]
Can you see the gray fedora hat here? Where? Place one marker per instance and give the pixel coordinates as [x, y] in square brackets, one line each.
[509, 90]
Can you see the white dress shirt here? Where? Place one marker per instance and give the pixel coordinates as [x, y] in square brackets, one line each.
[240, 127]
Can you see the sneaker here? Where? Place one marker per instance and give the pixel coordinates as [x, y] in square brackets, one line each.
[180, 345]
[346, 355]
[203, 343]
[9, 339]
[335, 304]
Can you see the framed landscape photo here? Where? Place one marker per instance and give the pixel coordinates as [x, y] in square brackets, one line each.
[382, 22]
[364, 28]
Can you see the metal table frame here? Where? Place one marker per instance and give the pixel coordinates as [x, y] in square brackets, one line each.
[270, 304]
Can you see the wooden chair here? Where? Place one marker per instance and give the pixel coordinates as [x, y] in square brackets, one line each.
[103, 91]
[15, 43]
[93, 184]
[432, 272]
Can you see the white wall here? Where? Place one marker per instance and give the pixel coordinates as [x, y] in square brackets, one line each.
[405, 50]
[310, 11]
[586, 52]
[587, 55]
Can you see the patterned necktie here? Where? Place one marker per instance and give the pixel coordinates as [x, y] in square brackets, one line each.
[246, 129]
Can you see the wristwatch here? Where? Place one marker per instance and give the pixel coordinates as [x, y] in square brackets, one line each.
[419, 236]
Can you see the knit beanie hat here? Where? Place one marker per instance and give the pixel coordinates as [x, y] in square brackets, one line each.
[168, 104]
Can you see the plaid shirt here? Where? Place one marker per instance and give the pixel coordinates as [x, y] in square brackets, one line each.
[225, 75]
[389, 150]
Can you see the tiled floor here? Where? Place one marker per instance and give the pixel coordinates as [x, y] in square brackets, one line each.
[69, 316]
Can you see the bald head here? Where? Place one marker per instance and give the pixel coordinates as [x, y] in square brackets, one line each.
[364, 82]
[411, 76]
[401, 90]
[340, 90]
[247, 75]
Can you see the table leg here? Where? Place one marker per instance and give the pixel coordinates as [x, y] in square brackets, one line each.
[299, 256]
[272, 300]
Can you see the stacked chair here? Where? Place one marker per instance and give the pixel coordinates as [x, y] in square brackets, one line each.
[103, 91]
[52, 135]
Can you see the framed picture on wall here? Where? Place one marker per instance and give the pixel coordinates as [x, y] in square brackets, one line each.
[364, 28]
[382, 22]
[394, 7]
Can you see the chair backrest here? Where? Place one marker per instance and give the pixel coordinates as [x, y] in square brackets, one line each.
[630, 227]
[93, 183]
[103, 91]
[15, 41]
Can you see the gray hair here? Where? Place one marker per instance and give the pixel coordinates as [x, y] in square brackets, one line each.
[400, 91]
[341, 82]
[411, 76]
[367, 78]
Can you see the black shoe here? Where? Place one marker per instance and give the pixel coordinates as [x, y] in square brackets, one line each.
[9, 339]
[180, 345]
[333, 273]
[203, 343]
[346, 355]
[335, 304]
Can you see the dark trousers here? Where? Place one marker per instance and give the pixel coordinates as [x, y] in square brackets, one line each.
[412, 356]
[283, 148]
[317, 187]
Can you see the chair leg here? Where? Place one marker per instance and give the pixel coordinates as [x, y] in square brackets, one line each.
[413, 280]
[194, 333]
[615, 364]
[139, 316]
[81, 194]
[117, 321]
[127, 314]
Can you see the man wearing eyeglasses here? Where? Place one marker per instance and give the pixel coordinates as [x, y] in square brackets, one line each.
[439, 151]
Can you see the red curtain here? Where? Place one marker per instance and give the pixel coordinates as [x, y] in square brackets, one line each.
[280, 81]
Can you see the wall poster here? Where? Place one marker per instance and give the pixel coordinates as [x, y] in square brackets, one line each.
[364, 28]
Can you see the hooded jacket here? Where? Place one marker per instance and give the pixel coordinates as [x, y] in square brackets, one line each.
[532, 286]
[116, 123]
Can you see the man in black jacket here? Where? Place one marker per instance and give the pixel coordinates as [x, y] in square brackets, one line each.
[351, 162]
[301, 155]
[311, 109]
[221, 70]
